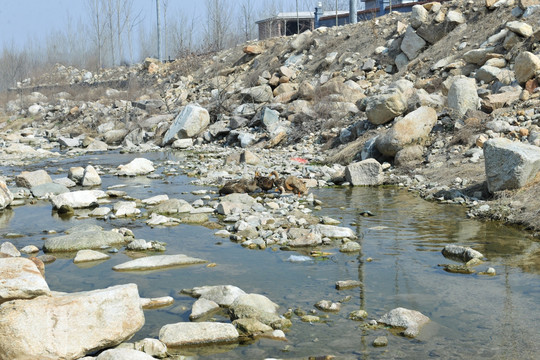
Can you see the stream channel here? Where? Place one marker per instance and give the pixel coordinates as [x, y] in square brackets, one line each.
[472, 316]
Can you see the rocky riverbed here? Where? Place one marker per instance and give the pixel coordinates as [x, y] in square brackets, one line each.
[121, 178]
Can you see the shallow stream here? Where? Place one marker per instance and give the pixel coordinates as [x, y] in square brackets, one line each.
[472, 316]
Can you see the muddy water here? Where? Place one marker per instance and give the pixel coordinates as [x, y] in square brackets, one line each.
[473, 316]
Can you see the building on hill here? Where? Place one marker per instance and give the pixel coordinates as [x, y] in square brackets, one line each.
[288, 23]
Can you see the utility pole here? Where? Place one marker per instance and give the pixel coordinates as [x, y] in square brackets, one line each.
[353, 13]
[158, 31]
[337, 22]
[297, 19]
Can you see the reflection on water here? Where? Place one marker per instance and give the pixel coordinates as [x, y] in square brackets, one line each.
[473, 316]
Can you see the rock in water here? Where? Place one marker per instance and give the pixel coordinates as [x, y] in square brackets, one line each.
[6, 197]
[138, 166]
[410, 320]
[157, 262]
[69, 326]
[185, 333]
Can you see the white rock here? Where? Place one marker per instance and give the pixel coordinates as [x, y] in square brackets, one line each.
[202, 307]
[20, 279]
[89, 255]
[410, 320]
[138, 166]
[154, 200]
[184, 333]
[102, 318]
[223, 295]
[191, 121]
[90, 177]
[332, 231]
[152, 347]
[157, 262]
[6, 197]
[124, 354]
[366, 172]
[76, 199]
[9, 249]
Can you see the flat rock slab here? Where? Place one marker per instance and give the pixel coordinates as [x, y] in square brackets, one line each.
[71, 325]
[333, 231]
[20, 279]
[158, 262]
[81, 240]
[89, 255]
[410, 320]
[185, 333]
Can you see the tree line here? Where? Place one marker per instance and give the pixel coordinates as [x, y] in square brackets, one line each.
[116, 32]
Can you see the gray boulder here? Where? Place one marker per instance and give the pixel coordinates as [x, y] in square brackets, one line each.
[186, 333]
[102, 319]
[48, 190]
[366, 172]
[460, 252]
[412, 44]
[203, 307]
[413, 128]
[510, 165]
[463, 95]
[172, 206]
[80, 240]
[410, 320]
[191, 121]
[28, 179]
[419, 16]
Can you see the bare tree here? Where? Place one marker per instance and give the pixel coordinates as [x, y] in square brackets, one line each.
[247, 11]
[218, 24]
[96, 9]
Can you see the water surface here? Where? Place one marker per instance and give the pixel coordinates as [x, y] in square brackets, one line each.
[473, 316]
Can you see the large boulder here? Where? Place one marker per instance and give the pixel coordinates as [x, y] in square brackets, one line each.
[172, 206]
[20, 279]
[510, 165]
[28, 179]
[366, 172]
[80, 240]
[410, 320]
[186, 333]
[138, 166]
[463, 95]
[69, 326]
[191, 121]
[412, 44]
[413, 128]
[383, 108]
[6, 197]
[526, 65]
[419, 16]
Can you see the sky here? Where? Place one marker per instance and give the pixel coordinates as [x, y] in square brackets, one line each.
[24, 19]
